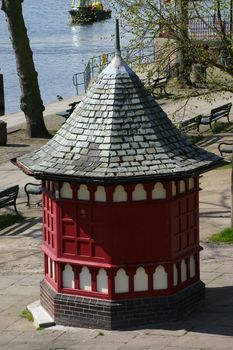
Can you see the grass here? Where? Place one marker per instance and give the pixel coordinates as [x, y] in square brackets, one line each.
[224, 236]
[221, 127]
[27, 315]
[195, 138]
[227, 166]
[8, 220]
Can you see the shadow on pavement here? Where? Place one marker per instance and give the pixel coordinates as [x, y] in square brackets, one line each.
[27, 227]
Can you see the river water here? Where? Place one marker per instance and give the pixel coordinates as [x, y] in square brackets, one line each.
[59, 49]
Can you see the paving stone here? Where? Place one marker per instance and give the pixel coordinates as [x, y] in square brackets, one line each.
[7, 337]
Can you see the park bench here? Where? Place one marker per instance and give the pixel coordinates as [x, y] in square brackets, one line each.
[190, 124]
[225, 147]
[69, 111]
[8, 197]
[215, 114]
[32, 189]
[159, 83]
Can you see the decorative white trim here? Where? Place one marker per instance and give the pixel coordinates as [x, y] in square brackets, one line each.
[139, 193]
[66, 191]
[140, 280]
[175, 275]
[100, 194]
[85, 279]
[68, 277]
[121, 282]
[192, 266]
[159, 192]
[102, 281]
[119, 194]
[183, 271]
[160, 278]
[83, 193]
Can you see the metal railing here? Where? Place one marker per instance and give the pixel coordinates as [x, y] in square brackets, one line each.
[208, 28]
[96, 64]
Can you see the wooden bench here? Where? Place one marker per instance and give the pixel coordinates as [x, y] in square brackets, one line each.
[225, 147]
[32, 189]
[190, 124]
[160, 83]
[215, 114]
[8, 197]
[69, 111]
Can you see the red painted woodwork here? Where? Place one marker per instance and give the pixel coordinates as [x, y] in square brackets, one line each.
[128, 234]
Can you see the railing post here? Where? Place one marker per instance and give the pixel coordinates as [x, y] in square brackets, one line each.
[2, 99]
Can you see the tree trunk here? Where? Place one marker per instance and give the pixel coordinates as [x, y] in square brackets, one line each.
[184, 56]
[31, 102]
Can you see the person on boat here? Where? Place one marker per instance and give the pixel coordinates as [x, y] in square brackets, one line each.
[82, 3]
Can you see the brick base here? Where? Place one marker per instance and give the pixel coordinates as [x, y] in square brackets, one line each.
[78, 311]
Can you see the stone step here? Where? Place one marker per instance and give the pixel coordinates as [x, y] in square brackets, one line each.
[40, 315]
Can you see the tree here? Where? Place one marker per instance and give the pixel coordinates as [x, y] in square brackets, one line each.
[172, 20]
[31, 102]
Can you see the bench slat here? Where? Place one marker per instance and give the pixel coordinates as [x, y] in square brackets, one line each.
[8, 197]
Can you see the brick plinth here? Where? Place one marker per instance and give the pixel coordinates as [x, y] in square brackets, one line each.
[77, 311]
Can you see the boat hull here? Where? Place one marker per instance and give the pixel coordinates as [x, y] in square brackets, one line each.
[88, 15]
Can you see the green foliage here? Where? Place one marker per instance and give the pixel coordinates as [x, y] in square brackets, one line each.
[8, 220]
[225, 236]
[27, 315]
[148, 20]
[100, 334]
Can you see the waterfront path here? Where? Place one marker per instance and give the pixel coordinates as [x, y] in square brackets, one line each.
[210, 328]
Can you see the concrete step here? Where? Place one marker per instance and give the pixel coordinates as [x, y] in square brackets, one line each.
[40, 315]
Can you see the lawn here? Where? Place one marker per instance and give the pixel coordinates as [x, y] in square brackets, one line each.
[224, 236]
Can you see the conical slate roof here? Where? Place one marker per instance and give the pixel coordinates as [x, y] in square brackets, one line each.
[117, 133]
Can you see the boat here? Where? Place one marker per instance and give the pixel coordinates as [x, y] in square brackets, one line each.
[86, 11]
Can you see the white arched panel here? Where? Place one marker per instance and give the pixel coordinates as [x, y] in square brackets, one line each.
[191, 183]
[121, 282]
[192, 266]
[159, 191]
[85, 279]
[119, 195]
[173, 188]
[100, 194]
[182, 186]
[139, 193]
[68, 277]
[66, 191]
[160, 278]
[102, 281]
[53, 270]
[183, 271]
[140, 280]
[83, 193]
[49, 265]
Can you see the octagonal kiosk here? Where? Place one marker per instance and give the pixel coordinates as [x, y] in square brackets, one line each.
[120, 209]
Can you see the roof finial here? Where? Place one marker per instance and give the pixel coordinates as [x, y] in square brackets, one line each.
[117, 48]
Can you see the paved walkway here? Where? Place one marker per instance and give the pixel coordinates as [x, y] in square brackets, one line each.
[22, 269]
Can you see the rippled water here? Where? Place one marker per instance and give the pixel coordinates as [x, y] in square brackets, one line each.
[60, 50]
